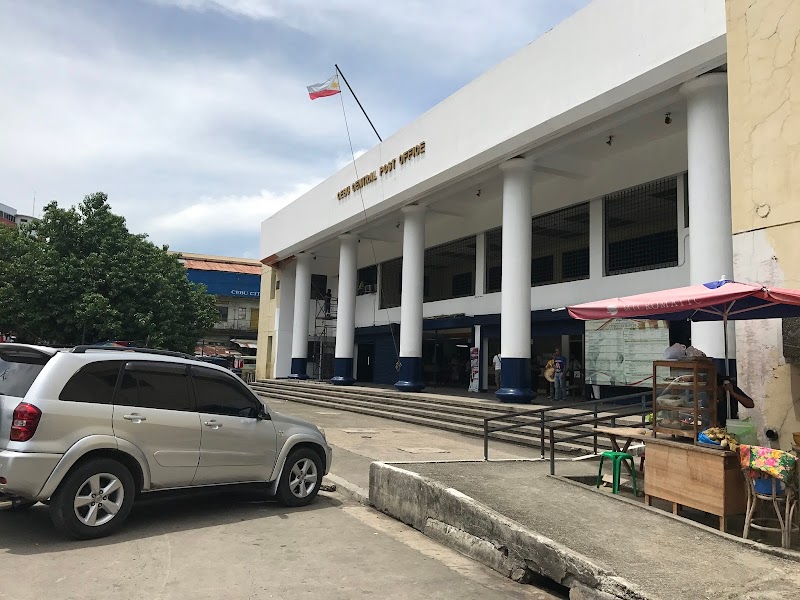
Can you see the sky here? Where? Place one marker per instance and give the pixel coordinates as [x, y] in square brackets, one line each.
[193, 115]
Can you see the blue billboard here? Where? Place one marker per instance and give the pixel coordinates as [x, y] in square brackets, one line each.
[222, 283]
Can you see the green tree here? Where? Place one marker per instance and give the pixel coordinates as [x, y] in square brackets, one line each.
[79, 276]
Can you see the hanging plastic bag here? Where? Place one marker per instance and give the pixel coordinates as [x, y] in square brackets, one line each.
[675, 352]
[693, 352]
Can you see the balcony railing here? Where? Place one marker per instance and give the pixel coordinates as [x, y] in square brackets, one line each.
[236, 325]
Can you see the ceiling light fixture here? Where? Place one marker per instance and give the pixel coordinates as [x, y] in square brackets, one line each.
[668, 119]
[610, 140]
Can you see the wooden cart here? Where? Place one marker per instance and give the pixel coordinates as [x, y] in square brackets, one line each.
[696, 476]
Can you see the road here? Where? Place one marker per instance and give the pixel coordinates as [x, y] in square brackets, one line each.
[233, 544]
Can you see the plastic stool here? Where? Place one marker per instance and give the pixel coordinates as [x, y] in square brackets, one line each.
[617, 458]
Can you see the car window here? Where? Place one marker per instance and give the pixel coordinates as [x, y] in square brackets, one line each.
[160, 385]
[219, 394]
[16, 378]
[94, 383]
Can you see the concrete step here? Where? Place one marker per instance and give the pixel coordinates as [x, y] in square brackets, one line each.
[463, 417]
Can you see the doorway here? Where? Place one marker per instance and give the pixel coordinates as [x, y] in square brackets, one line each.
[445, 357]
[365, 365]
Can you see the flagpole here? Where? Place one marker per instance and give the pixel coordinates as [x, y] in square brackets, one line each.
[339, 71]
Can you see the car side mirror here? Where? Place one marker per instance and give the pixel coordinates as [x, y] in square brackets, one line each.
[263, 415]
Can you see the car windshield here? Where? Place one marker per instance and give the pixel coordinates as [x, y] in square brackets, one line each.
[16, 378]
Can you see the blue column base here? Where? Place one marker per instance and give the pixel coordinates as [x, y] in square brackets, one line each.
[410, 375]
[343, 372]
[299, 369]
[516, 380]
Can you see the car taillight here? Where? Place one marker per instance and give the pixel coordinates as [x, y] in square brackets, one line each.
[24, 422]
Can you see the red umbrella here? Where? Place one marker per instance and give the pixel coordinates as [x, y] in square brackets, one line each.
[722, 300]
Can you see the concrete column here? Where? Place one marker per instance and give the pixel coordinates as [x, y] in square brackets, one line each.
[346, 310]
[515, 301]
[597, 267]
[710, 241]
[411, 299]
[302, 302]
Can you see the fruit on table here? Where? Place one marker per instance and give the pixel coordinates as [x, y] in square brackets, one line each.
[725, 439]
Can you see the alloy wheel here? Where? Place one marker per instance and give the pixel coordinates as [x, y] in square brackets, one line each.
[99, 499]
[303, 478]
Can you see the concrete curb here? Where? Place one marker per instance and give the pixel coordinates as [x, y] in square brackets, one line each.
[459, 521]
[349, 490]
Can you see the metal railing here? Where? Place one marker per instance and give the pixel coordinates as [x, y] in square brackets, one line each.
[544, 417]
[645, 408]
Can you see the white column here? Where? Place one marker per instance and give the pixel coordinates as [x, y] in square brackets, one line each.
[410, 378]
[597, 267]
[346, 309]
[302, 303]
[710, 241]
[515, 302]
[284, 319]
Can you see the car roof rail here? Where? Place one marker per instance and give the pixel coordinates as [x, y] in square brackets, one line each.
[84, 347]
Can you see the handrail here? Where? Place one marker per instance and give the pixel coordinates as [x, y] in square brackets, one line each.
[645, 408]
[541, 412]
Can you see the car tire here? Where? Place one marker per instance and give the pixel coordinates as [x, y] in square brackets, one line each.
[73, 508]
[301, 478]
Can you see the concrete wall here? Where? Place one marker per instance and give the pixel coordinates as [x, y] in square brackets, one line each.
[265, 355]
[764, 100]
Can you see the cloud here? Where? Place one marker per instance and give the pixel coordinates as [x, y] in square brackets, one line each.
[231, 214]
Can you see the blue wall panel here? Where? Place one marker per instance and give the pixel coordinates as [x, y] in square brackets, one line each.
[221, 283]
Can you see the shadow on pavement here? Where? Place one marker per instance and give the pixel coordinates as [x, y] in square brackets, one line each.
[155, 514]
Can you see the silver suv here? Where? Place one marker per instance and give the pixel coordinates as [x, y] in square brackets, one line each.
[88, 429]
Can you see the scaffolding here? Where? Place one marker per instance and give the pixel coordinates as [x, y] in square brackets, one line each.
[324, 338]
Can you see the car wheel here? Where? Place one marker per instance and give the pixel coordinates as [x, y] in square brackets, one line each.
[93, 500]
[301, 478]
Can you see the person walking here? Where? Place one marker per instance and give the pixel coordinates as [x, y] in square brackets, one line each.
[560, 368]
[498, 363]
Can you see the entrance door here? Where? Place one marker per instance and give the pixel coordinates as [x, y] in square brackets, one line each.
[365, 367]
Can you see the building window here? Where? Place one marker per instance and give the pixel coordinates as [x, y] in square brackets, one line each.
[450, 270]
[273, 283]
[560, 246]
[494, 260]
[222, 314]
[242, 313]
[368, 280]
[319, 285]
[391, 282]
[641, 227]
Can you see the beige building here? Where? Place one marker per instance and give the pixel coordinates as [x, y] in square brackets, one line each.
[764, 104]
[270, 296]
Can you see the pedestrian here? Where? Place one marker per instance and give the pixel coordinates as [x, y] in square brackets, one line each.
[498, 363]
[328, 303]
[560, 368]
[550, 375]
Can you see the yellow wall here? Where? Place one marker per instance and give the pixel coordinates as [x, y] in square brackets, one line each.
[265, 354]
[764, 100]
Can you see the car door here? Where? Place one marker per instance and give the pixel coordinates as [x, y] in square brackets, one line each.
[153, 410]
[238, 441]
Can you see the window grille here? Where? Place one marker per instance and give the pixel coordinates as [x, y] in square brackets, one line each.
[450, 270]
[319, 285]
[391, 278]
[641, 227]
[367, 280]
[559, 248]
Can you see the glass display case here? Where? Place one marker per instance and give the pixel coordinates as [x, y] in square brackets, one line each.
[684, 397]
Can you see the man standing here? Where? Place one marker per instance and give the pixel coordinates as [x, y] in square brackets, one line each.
[498, 363]
[560, 367]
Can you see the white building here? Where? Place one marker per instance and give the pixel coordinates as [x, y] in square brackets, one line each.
[592, 163]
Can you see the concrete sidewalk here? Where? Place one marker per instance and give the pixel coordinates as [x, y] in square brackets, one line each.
[660, 556]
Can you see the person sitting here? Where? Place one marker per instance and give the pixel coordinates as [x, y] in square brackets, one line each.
[727, 385]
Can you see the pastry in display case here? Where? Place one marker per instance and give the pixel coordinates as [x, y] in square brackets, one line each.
[684, 397]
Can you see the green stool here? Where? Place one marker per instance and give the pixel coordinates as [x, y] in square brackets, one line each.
[617, 458]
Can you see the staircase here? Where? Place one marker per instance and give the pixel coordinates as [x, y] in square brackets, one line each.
[449, 413]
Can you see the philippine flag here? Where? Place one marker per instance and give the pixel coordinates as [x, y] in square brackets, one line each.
[327, 88]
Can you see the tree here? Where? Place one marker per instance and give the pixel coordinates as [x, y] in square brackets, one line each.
[79, 276]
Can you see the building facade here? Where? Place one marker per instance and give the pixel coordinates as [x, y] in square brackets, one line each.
[764, 83]
[235, 284]
[595, 162]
